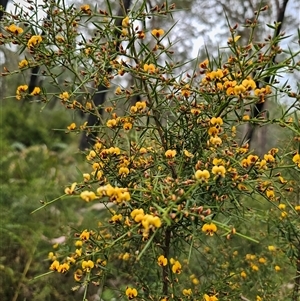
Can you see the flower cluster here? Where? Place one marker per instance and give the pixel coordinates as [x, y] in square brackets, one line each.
[170, 171]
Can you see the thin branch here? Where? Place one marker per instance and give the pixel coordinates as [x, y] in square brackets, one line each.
[100, 95]
[258, 108]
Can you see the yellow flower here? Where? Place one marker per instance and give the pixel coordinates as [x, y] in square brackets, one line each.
[243, 274]
[64, 96]
[51, 256]
[261, 165]
[86, 177]
[271, 248]
[218, 162]
[114, 151]
[176, 268]
[85, 9]
[217, 141]
[54, 266]
[188, 154]
[70, 190]
[277, 268]
[34, 41]
[236, 38]
[78, 243]
[210, 229]
[297, 208]
[239, 89]
[60, 39]
[187, 292]
[87, 265]
[250, 257]
[251, 159]
[150, 221]
[162, 260]
[262, 260]
[123, 171]
[195, 112]
[23, 63]
[216, 74]
[210, 298]
[88, 195]
[116, 218]
[78, 252]
[249, 84]
[185, 91]
[216, 121]
[157, 32]
[125, 22]
[233, 131]
[118, 91]
[35, 91]
[127, 126]
[284, 214]
[131, 293]
[114, 193]
[21, 89]
[78, 275]
[72, 126]
[137, 212]
[281, 206]
[170, 153]
[149, 68]
[219, 171]
[270, 193]
[111, 123]
[296, 160]
[63, 268]
[213, 131]
[85, 235]
[202, 175]
[14, 29]
[229, 91]
[141, 105]
[282, 180]
[258, 298]
[125, 256]
[204, 64]
[269, 158]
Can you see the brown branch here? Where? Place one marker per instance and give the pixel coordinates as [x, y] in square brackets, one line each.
[166, 268]
[296, 289]
[258, 108]
[100, 95]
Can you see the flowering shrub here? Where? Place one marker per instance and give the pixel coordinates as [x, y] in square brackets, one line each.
[179, 188]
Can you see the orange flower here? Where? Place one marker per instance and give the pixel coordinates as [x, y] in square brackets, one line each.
[157, 32]
[210, 229]
[170, 153]
[14, 29]
[85, 9]
[149, 68]
[162, 260]
[34, 41]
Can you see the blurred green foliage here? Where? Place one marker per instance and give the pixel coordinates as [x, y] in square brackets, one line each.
[35, 161]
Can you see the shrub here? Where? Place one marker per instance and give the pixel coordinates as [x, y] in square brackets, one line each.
[190, 210]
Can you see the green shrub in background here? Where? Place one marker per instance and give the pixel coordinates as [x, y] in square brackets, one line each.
[190, 213]
[26, 125]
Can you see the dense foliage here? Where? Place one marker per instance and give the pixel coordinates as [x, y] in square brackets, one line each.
[188, 210]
